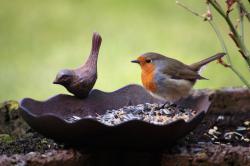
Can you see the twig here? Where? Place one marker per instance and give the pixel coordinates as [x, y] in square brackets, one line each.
[216, 30]
[223, 45]
[241, 22]
[243, 8]
[241, 77]
[234, 34]
[190, 10]
[220, 60]
[220, 38]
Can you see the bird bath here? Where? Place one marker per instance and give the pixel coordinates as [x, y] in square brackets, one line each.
[51, 118]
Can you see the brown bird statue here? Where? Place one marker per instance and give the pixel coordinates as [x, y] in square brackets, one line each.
[81, 80]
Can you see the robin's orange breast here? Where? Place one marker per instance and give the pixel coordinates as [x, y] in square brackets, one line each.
[147, 77]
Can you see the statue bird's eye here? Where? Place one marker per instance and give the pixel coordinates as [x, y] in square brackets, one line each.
[148, 60]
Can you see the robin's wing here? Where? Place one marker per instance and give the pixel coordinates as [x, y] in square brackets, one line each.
[178, 70]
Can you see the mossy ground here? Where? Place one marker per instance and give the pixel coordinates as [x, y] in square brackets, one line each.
[16, 137]
[30, 142]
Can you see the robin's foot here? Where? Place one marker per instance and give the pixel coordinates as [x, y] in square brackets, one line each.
[169, 105]
[181, 109]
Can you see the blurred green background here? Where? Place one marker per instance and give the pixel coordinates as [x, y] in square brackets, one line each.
[38, 38]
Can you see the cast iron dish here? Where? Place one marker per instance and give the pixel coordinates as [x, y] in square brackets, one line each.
[53, 119]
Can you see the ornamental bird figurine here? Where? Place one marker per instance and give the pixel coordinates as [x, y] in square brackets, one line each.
[81, 80]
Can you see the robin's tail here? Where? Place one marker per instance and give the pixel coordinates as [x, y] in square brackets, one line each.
[198, 65]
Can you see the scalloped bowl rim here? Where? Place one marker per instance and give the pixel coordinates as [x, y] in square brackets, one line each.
[94, 120]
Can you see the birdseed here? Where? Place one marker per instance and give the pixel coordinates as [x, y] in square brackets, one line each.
[151, 113]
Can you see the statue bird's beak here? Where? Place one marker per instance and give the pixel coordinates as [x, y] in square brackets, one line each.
[55, 81]
[135, 61]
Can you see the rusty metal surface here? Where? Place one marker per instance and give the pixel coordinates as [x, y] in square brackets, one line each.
[50, 119]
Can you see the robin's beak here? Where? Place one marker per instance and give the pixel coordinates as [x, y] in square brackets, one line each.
[135, 61]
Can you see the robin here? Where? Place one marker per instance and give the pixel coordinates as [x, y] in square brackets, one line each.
[169, 79]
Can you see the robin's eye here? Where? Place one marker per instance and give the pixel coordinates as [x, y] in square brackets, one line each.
[148, 60]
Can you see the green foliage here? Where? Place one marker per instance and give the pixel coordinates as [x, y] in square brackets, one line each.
[6, 138]
[10, 105]
[37, 38]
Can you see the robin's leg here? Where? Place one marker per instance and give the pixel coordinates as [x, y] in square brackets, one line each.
[170, 104]
[179, 106]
